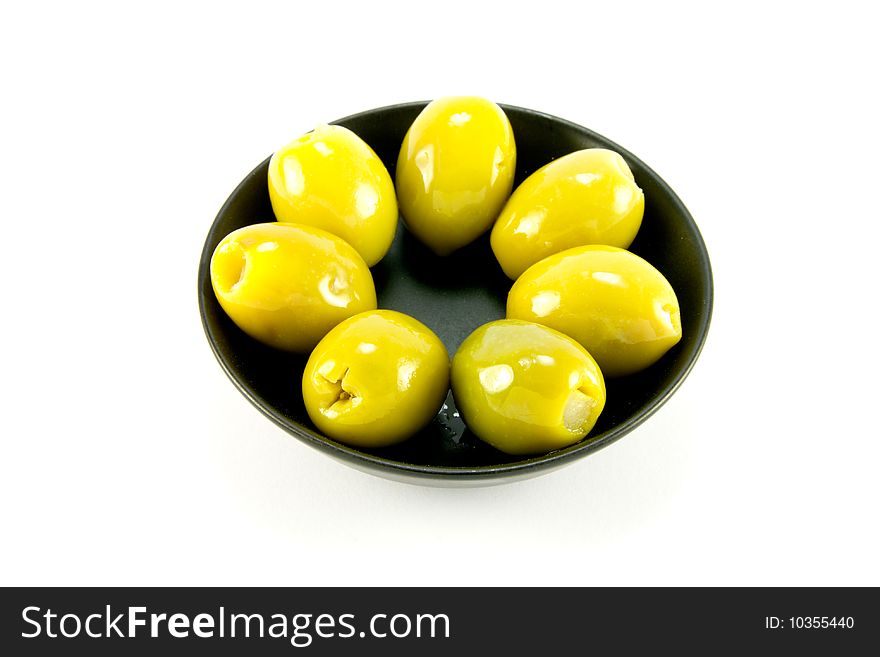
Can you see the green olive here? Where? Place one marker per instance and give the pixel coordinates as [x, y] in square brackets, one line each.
[612, 301]
[287, 284]
[376, 379]
[331, 179]
[525, 388]
[586, 197]
[455, 171]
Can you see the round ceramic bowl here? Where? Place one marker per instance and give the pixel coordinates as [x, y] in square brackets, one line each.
[453, 295]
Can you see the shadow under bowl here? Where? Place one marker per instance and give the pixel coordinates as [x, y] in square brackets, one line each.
[454, 295]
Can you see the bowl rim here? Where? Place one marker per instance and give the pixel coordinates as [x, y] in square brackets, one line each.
[524, 467]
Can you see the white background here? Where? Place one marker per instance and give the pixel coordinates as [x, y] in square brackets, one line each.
[129, 458]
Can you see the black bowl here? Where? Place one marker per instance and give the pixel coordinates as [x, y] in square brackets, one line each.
[456, 294]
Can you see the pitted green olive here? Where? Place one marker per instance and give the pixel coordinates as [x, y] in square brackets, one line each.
[455, 171]
[613, 302]
[330, 178]
[525, 388]
[585, 197]
[376, 379]
[287, 284]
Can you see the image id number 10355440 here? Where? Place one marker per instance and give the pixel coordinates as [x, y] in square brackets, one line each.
[809, 623]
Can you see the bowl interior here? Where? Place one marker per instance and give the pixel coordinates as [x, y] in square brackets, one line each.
[456, 294]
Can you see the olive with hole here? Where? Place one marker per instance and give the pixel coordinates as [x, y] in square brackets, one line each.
[525, 388]
[616, 304]
[376, 379]
[586, 197]
[287, 284]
